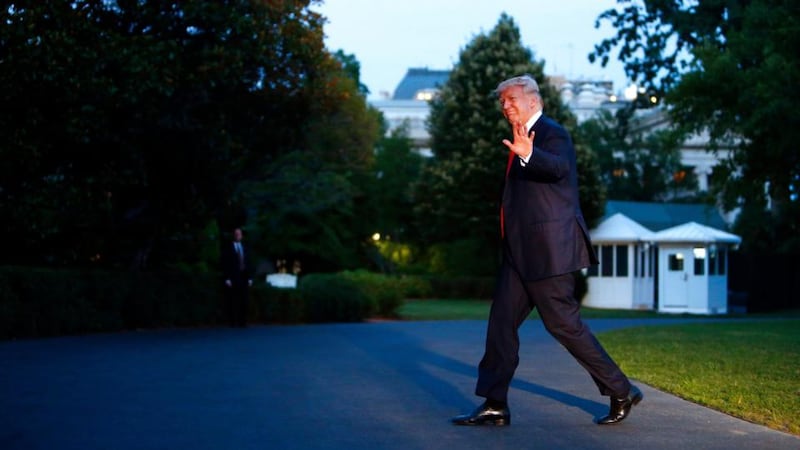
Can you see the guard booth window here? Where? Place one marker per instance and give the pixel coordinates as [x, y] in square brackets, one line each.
[606, 260]
[622, 260]
[716, 261]
[699, 254]
[613, 261]
[712, 260]
[676, 262]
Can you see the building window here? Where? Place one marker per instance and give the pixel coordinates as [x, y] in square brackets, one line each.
[712, 260]
[645, 260]
[699, 260]
[426, 94]
[652, 260]
[622, 260]
[676, 262]
[607, 260]
[613, 261]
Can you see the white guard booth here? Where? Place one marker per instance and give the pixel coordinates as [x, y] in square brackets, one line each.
[693, 269]
[624, 279]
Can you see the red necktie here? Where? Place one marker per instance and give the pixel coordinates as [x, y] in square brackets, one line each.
[502, 218]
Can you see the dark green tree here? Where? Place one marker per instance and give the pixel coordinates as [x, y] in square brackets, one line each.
[352, 69]
[397, 168]
[731, 69]
[128, 125]
[590, 187]
[313, 205]
[462, 184]
[636, 164]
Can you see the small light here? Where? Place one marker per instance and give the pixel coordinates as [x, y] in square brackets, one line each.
[630, 92]
[376, 237]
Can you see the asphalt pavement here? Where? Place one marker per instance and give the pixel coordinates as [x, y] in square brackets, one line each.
[387, 385]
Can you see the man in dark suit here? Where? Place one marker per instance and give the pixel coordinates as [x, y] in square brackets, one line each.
[238, 278]
[545, 241]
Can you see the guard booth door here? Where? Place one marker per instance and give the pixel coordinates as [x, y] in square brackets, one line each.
[676, 278]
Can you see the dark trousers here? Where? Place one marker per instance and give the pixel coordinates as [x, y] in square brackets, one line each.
[237, 297]
[513, 301]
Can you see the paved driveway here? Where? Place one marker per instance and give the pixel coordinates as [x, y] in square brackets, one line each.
[391, 385]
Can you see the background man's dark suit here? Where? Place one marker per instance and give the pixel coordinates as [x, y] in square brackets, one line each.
[237, 276]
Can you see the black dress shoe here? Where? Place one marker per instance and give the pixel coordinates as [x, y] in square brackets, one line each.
[486, 415]
[621, 407]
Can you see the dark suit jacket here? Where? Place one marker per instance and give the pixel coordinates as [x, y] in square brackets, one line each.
[545, 232]
[230, 264]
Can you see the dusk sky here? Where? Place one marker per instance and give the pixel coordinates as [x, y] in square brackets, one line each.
[390, 36]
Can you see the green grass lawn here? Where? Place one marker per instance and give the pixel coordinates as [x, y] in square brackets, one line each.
[747, 369]
[450, 309]
[470, 309]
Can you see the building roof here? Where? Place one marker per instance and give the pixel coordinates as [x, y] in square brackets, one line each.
[660, 216]
[695, 232]
[620, 228]
[419, 79]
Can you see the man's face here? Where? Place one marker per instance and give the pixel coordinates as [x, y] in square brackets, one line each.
[237, 235]
[517, 105]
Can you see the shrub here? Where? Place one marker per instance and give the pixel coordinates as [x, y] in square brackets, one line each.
[462, 287]
[414, 286]
[38, 302]
[384, 292]
[465, 257]
[55, 303]
[333, 298]
[344, 296]
[11, 308]
[277, 305]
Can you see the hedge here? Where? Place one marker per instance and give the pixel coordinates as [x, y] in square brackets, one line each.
[37, 302]
[40, 302]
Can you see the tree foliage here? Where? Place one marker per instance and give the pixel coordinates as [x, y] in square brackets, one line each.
[397, 168]
[462, 184]
[591, 190]
[730, 68]
[130, 126]
[311, 205]
[634, 165]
